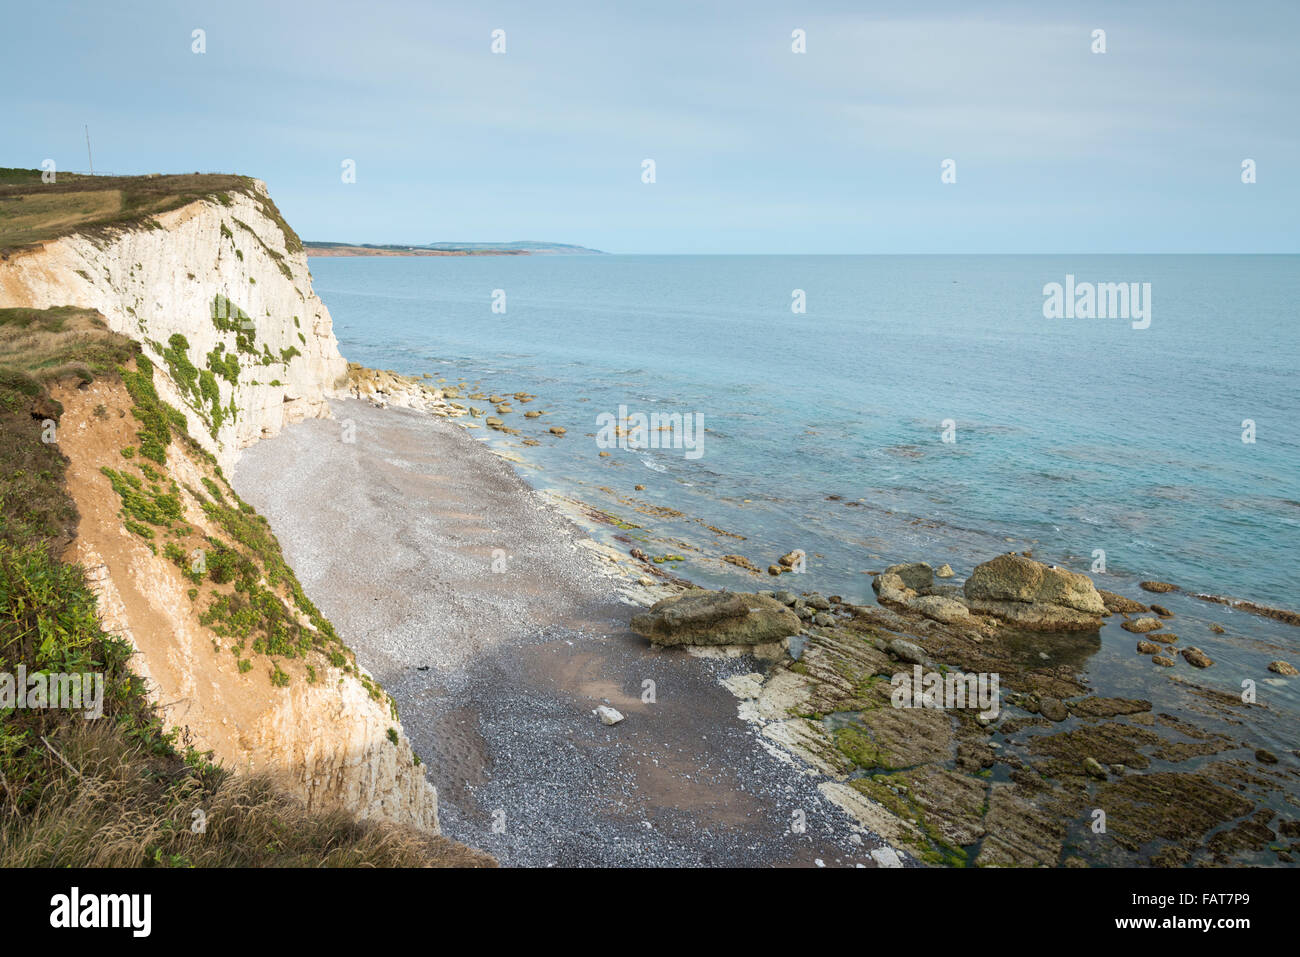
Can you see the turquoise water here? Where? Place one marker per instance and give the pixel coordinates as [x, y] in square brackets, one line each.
[1072, 435]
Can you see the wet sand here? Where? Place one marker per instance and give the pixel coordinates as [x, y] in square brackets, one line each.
[495, 672]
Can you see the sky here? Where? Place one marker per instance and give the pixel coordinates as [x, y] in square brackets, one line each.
[757, 149]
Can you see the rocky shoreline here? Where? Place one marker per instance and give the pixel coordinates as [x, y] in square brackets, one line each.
[1061, 775]
[1066, 774]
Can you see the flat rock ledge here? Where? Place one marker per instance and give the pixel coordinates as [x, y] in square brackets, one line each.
[702, 617]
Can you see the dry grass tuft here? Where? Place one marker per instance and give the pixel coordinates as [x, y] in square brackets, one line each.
[124, 807]
[61, 342]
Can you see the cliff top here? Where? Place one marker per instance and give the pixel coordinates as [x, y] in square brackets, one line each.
[33, 211]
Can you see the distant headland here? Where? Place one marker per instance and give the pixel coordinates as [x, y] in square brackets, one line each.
[450, 249]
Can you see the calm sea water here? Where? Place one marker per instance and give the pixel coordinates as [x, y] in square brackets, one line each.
[1071, 435]
[824, 430]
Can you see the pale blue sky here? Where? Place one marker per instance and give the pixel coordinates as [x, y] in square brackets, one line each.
[757, 149]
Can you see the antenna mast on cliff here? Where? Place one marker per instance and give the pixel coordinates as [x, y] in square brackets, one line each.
[88, 156]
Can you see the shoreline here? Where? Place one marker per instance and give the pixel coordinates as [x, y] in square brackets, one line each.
[496, 673]
[607, 650]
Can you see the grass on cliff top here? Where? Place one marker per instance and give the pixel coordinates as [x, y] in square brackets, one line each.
[119, 790]
[32, 211]
[60, 342]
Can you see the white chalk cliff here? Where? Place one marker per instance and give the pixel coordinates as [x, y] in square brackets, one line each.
[331, 741]
[151, 284]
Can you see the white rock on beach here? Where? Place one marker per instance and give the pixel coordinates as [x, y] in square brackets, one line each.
[744, 686]
[608, 715]
[886, 857]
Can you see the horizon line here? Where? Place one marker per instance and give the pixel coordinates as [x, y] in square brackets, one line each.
[604, 252]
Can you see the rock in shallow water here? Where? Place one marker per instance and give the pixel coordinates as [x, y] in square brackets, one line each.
[1118, 604]
[1141, 626]
[740, 561]
[918, 576]
[1032, 595]
[1012, 577]
[1053, 709]
[1159, 588]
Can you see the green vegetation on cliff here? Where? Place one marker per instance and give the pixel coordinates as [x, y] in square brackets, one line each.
[119, 790]
[266, 608]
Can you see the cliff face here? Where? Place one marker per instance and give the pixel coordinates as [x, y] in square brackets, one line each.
[227, 277]
[218, 294]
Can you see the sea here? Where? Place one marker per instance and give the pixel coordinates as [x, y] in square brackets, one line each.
[857, 411]
[864, 410]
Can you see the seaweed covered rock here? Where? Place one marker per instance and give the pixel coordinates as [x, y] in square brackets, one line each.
[1140, 626]
[1120, 604]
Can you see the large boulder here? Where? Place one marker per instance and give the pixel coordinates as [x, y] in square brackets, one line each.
[1013, 577]
[917, 576]
[1035, 596]
[700, 617]
[1141, 626]
[899, 584]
